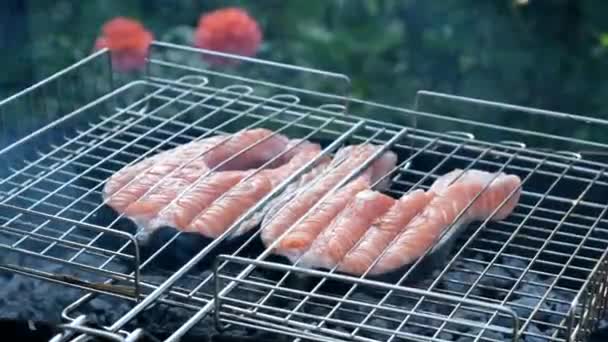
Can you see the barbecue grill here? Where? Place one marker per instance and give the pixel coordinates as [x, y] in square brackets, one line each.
[538, 275]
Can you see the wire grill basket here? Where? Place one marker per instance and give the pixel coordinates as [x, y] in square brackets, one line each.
[540, 273]
[528, 276]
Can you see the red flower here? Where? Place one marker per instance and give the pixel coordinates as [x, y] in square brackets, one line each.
[228, 30]
[128, 42]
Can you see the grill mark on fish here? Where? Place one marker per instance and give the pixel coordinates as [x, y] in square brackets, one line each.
[382, 232]
[447, 203]
[286, 213]
[129, 185]
[215, 218]
[303, 234]
[346, 229]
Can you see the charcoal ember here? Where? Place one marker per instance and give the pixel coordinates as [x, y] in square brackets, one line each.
[533, 289]
[204, 281]
[559, 301]
[566, 296]
[29, 298]
[492, 335]
[182, 249]
[382, 319]
[537, 337]
[412, 329]
[339, 330]
[558, 313]
[504, 321]
[525, 305]
[427, 316]
[399, 300]
[532, 284]
[428, 281]
[472, 318]
[474, 267]
[426, 326]
[497, 277]
[164, 320]
[444, 336]
[601, 333]
[30, 330]
[105, 311]
[514, 266]
[375, 326]
[242, 336]
[24, 298]
[550, 331]
[461, 280]
[487, 335]
[353, 312]
[466, 338]
[431, 316]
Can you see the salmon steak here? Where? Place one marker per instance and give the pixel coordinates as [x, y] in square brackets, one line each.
[294, 221]
[368, 226]
[173, 187]
[346, 229]
[372, 233]
[455, 199]
[234, 203]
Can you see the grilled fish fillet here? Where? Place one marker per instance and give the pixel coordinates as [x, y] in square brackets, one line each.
[381, 233]
[282, 218]
[221, 214]
[142, 190]
[447, 202]
[346, 229]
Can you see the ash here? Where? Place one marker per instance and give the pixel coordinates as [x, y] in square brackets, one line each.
[24, 298]
[466, 323]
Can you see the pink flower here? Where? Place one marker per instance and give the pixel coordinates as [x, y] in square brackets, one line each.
[128, 42]
[229, 30]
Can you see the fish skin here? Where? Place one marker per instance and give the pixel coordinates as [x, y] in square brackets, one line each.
[346, 229]
[284, 213]
[446, 205]
[127, 187]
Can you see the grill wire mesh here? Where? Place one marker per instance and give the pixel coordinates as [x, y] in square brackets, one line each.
[538, 275]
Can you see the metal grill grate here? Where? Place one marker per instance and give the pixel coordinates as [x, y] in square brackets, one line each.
[534, 263]
[540, 273]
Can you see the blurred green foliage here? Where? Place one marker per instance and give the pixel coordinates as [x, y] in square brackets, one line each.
[549, 54]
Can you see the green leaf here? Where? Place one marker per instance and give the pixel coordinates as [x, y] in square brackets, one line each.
[604, 39]
[317, 34]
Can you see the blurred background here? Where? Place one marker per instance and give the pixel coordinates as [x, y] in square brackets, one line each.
[549, 54]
